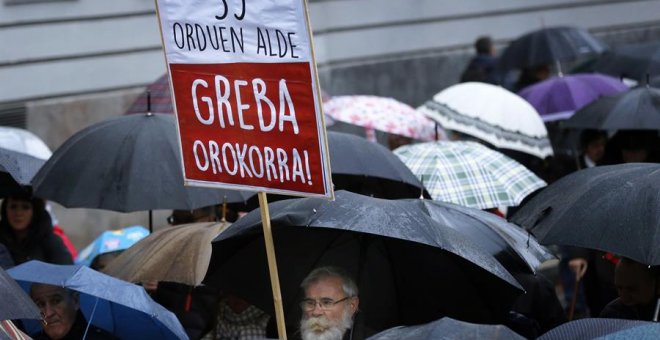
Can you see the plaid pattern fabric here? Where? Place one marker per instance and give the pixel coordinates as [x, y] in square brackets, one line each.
[250, 324]
[469, 174]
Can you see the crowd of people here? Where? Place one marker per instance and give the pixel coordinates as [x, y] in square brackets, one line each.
[593, 283]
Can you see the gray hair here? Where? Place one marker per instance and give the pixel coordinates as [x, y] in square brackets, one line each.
[348, 285]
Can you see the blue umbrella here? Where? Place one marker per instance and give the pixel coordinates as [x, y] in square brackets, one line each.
[121, 308]
[15, 303]
[591, 328]
[111, 241]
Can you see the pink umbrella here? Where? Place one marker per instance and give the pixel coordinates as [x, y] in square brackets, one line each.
[381, 113]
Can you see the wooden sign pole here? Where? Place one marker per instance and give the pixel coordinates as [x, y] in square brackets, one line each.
[272, 265]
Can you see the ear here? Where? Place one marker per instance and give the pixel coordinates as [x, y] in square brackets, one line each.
[75, 299]
[355, 302]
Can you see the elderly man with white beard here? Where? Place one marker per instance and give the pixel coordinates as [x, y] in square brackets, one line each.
[330, 303]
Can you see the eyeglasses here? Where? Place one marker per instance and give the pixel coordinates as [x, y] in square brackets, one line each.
[308, 305]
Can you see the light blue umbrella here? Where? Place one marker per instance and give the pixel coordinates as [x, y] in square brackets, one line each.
[111, 241]
[119, 307]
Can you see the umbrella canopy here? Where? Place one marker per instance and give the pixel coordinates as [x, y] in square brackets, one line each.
[369, 168]
[381, 113]
[513, 247]
[175, 254]
[409, 268]
[111, 241]
[469, 174]
[492, 114]
[448, 329]
[20, 166]
[548, 46]
[637, 109]
[601, 328]
[127, 163]
[119, 307]
[610, 208]
[16, 304]
[558, 97]
[632, 61]
[21, 140]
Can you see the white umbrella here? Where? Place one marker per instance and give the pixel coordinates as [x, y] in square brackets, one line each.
[492, 114]
[21, 140]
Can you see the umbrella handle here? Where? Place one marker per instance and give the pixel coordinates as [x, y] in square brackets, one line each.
[576, 288]
[657, 310]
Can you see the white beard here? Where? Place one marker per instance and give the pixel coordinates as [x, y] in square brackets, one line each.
[321, 328]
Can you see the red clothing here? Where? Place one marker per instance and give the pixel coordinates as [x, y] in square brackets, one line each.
[69, 246]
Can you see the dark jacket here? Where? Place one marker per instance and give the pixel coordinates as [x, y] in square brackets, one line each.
[6, 261]
[77, 331]
[194, 307]
[482, 68]
[41, 243]
[617, 310]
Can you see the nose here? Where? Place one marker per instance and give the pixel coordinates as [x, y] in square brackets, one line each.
[317, 311]
[47, 311]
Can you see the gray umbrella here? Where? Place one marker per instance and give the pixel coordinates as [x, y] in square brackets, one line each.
[16, 170]
[128, 163]
[612, 208]
[448, 328]
[15, 303]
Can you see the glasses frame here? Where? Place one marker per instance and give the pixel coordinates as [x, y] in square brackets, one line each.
[323, 303]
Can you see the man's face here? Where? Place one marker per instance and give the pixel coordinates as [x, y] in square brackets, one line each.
[331, 322]
[58, 308]
[596, 149]
[635, 287]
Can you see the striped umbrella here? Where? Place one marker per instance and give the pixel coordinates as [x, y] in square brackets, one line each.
[469, 174]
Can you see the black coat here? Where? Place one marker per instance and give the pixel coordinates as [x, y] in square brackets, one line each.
[41, 243]
[77, 331]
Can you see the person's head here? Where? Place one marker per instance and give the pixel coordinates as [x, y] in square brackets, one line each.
[103, 260]
[636, 283]
[484, 45]
[20, 210]
[205, 214]
[634, 147]
[58, 307]
[331, 300]
[593, 144]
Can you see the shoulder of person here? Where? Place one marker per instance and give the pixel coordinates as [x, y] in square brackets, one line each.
[96, 333]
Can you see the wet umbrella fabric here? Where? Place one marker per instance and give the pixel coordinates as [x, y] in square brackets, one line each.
[469, 174]
[448, 329]
[127, 163]
[111, 241]
[119, 307]
[597, 328]
[612, 208]
[498, 117]
[550, 45]
[513, 247]
[16, 304]
[175, 254]
[632, 61]
[369, 168]
[16, 171]
[24, 141]
[636, 109]
[409, 269]
[558, 97]
[381, 113]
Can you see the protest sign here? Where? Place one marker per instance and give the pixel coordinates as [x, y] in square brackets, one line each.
[246, 95]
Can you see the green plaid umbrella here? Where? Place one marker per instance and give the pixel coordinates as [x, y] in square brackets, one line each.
[469, 174]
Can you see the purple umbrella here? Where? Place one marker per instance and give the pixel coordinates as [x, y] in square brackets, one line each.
[559, 97]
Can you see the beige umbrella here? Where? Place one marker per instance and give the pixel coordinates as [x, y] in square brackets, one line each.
[176, 254]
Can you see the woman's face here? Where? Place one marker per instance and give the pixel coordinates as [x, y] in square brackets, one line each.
[19, 214]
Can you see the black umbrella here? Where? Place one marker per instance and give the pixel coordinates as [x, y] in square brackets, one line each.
[124, 164]
[17, 170]
[610, 208]
[632, 61]
[548, 46]
[512, 246]
[637, 109]
[409, 268]
[448, 329]
[365, 168]
[15, 303]
[591, 328]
